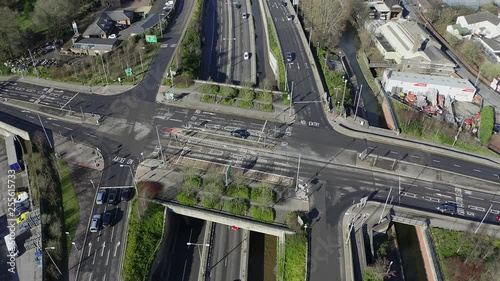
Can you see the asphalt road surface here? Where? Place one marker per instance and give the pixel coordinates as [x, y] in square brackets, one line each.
[226, 254]
[185, 262]
[241, 26]
[104, 250]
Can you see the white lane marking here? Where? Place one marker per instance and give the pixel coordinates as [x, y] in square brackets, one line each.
[176, 120]
[92, 136]
[116, 248]
[415, 156]
[437, 161]
[93, 261]
[442, 195]
[477, 198]
[107, 259]
[430, 188]
[496, 212]
[103, 246]
[68, 128]
[408, 194]
[495, 202]
[476, 170]
[432, 199]
[90, 248]
[57, 125]
[458, 166]
[90, 276]
[476, 208]
[394, 152]
[70, 100]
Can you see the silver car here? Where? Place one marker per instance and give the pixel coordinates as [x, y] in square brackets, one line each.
[95, 224]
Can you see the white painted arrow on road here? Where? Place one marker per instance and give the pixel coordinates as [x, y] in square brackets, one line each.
[103, 246]
[116, 248]
[90, 248]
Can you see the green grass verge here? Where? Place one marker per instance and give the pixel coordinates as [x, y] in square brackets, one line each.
[227, 101]
[191, 43]
[210, 89]
[295, 257]
[273, 42]
[144, 237]
[334, 81]
[246, 94]
[187, 197]
[264, 97]
[211, 202]
[238, 207]
[487, 123]
[71, 208]
[208, 98]
[228, 92]
[247, 104]
[263, 214]
[266, 107]
[238, 190]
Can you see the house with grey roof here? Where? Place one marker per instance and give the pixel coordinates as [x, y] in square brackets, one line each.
[93, 46]
[484, 26]
[103, 25]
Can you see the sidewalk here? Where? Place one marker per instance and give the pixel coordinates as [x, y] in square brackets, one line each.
[191, 98]
[98, 90]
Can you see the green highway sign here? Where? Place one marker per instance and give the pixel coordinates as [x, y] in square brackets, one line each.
[169, 95]
[128, 71]
[151, 39]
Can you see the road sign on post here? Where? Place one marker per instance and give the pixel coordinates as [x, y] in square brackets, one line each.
[151, 39]
[228, 173]
[128, 71]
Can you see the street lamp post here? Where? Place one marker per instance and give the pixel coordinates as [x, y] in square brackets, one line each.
[72, 242]
[142, 154]
[159, 144]
[161, 28]
[131, 172]
[53, 248]
[343, 95]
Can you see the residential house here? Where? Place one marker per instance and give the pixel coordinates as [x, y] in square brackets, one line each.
[106, 21]
[94, 46]
[409, 46]
[385, 10]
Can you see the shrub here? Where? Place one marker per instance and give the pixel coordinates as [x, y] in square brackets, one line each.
[264, 97]
[247, 104]
[215, 186]
[266, 107]
[227, 101]
[487, 123]
[263, 195]
[192, 181]
[211, 202]
[286, 101]
[263, 214]
[238, 207]
[183, 81]
[210, 89]
[246, 95]
[238, 190]
[228, 92]
[150, 189]
[208, 98]
[295, 256]
[187, 197]
[292, 221]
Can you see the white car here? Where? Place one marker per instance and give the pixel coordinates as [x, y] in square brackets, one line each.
[112, 36]
[246, 56]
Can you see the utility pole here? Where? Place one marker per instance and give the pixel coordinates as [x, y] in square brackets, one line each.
[298, 172]
[484, 217]
[291, 101]
[399, 190]
[383, 210]
[310, 35]
[477, 78]
[159, 144]
[343, 95]
[140, 57]
[43, 127]
[161, 27]
[33, 62]
[357, 103]
[103, 68]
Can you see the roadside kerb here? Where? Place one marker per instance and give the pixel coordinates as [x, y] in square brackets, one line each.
[306, 45]
[267, 14]
[253, 61]
[273, 62]
[244, 254]
[340, 126]
[430, 263]
[274, 92]
[205, 250]
[230, 41]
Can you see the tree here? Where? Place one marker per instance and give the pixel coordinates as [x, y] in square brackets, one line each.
[54, 14]
[150, 189]
[9, 34]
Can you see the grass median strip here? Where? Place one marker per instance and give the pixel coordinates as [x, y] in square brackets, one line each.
[275, 49]
[71, 208]
[144, 235]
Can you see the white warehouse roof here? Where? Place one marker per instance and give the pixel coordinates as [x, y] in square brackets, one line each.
[410, 77]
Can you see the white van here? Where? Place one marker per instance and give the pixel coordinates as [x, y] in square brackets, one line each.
[11, 246]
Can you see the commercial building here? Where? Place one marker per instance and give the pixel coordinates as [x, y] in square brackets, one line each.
[94, 46]
[457, 89]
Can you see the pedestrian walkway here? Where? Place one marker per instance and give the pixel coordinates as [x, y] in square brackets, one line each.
[78, 153]
[98, 90]
[191, 98]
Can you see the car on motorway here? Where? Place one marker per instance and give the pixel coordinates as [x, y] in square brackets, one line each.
[447, 208]
[237, 5]
[95, 224]
[283, 4]
[289, 17]
[496, 128]
[113, 196]
[240, 133]
[107, 218]
[289, 57]
[101, 196]
[244, 16]
[246, 56]
[126, 194]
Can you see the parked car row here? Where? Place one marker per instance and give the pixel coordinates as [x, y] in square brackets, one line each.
[113, 196]
[104, 219]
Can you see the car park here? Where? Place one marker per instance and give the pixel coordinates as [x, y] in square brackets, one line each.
[246, 56]
[240, 133]
[101, 196]
[289, 57]
[107, 218]
[447, 208]
[95, 224]
[113, 196]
